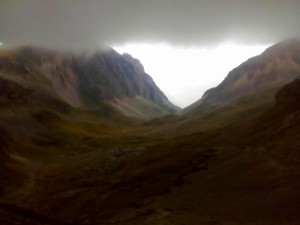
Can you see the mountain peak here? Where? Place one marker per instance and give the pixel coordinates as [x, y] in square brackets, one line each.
[137, 64]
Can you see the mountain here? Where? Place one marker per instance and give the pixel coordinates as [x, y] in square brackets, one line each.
[244, 173]
[276, 66]
[88, 81]
[70, 156]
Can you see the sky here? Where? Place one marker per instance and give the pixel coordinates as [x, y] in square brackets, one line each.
[177, 29]
[183, 73]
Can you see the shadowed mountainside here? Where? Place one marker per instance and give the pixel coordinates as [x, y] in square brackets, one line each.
[240, 174]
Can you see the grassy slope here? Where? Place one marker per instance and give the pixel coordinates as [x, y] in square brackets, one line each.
[86, 168]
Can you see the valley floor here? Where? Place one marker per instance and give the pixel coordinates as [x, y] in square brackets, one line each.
[85, 169]
[193, 179]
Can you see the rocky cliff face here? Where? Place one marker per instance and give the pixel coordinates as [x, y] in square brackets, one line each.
[114, 77]
[85, 80]
[278, 65]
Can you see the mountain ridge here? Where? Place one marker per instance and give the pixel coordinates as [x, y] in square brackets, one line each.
[64, 164]
[276, 66]
[84, 80]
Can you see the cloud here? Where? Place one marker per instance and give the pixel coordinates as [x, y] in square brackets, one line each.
[90, 23]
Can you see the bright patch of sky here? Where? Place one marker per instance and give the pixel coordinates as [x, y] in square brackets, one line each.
[184, 74]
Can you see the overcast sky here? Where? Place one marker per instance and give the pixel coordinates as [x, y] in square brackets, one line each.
[179, 22]
[82, 24]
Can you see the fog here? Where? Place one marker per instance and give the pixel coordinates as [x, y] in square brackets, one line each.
[91, 23]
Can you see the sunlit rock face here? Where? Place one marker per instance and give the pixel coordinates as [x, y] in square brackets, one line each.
[278, 65]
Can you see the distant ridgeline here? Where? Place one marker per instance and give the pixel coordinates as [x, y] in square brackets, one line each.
[277, 66]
